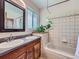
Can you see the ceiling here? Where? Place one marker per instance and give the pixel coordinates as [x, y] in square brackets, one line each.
[43, 3]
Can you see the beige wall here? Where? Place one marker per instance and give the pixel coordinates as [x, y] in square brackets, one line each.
[64, 29]
[27, 31]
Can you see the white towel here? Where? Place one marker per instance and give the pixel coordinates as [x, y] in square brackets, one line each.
[77, 50]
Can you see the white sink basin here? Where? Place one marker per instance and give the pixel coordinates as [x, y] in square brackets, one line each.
[32, 37]
[11, 44]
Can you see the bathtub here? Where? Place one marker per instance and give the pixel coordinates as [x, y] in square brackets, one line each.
[56, 52]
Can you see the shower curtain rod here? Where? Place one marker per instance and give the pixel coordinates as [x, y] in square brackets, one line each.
[58, 3]
[66, 16]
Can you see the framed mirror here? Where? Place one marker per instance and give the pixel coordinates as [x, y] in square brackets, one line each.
[14, 17]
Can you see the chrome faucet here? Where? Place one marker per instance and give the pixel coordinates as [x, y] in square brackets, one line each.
[10, 38]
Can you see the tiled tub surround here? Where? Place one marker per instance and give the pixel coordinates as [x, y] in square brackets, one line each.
[65, 31]
[63, 37]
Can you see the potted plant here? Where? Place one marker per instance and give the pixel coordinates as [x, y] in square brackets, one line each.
[43, 28]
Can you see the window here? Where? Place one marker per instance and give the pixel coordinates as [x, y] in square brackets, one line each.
[33, 19]
[30, 19]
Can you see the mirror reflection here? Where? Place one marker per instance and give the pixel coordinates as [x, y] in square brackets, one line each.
[13, 16]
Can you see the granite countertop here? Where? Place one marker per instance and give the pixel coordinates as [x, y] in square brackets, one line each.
[26, 41]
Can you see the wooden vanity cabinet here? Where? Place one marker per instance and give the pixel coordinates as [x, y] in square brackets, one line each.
[23, 56]
[29, 51]
[37, 50]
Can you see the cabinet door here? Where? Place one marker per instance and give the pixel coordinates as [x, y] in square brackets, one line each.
[30, 53]
[22, 56]
[37, 50]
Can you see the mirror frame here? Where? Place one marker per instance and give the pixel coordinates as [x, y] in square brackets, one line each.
[2, 16]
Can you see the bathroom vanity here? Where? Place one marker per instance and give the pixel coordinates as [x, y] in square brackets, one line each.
[12, 19]
[30, 49]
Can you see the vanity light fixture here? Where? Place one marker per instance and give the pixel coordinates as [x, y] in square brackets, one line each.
[23, 3]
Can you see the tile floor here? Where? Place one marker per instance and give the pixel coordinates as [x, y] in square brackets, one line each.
[41, 58]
